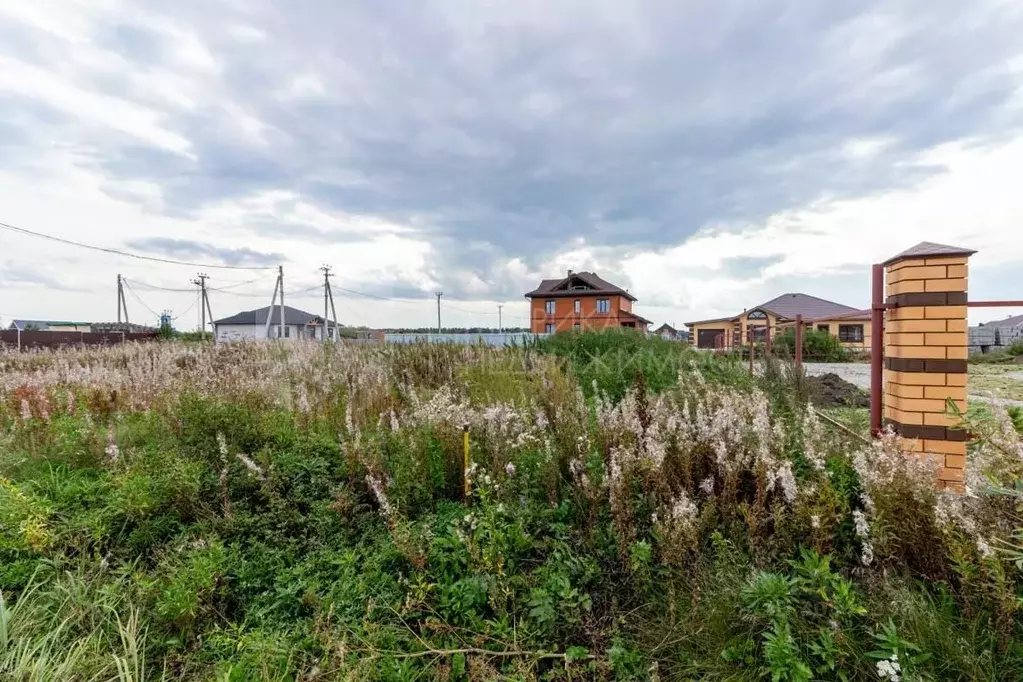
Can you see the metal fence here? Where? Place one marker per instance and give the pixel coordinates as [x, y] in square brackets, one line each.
[992, 337]
[509, 339]
[26, 340]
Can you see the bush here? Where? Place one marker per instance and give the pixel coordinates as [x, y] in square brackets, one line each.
[251, 512]
[611, 361]
[818, 346]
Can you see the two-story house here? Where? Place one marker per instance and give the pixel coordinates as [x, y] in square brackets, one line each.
[581, 300]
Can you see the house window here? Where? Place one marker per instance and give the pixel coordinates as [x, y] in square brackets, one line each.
[824, 328]
[548, 328]
[603, 305]
[577, 325]
[851, 333]
[287, 332]
[548, 307]
[757, 315]
[578, 306]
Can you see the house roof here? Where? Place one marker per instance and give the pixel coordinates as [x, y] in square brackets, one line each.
[638, 318]
[553, 288]
[709, 320]
[258, 317]
[855, 315]
[788, 306]
[1015, 321]
[930, 250]
[664, 327]
[43, 325]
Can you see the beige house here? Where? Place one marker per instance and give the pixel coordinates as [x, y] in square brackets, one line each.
[850, 325]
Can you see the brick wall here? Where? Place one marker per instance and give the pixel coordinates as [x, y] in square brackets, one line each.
[925, 355]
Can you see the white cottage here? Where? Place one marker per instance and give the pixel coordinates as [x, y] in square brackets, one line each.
[251, 324]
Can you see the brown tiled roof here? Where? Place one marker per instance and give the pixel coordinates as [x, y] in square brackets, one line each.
[712, 319]
[854, 315]
[930, 250]
[787, 306]
[640, 318]
[552, 288]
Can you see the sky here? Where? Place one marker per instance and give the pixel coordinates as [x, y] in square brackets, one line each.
[707, 155]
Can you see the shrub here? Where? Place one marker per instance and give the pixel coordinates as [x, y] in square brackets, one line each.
[635, 510]
[818, 346]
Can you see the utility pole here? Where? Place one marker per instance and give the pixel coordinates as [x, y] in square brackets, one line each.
[280, 278]
[500, 325]
[270, 310]
[121, 301]
[333, 312]
[326, 299]
[204, 302]
[439, 294]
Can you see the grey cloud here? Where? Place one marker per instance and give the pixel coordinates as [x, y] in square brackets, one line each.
[187, 249]
[509, 131]
[17, 275]
[752, 266]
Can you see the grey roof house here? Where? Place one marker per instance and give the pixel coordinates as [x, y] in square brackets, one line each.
[251, 324]
[996, 334]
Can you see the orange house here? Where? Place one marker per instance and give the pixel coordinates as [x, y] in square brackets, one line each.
[581, 301]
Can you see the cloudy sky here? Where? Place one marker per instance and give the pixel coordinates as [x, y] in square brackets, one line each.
[708, 155]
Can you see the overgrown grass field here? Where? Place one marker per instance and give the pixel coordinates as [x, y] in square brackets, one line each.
[635, 511]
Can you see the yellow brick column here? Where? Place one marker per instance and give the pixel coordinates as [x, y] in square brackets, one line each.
[925, 352]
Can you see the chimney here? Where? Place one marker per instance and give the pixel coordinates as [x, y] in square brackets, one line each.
[569, 273]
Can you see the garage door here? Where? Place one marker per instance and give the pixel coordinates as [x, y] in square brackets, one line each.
[708, 338]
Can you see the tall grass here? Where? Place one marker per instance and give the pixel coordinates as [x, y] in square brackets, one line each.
[633, 510]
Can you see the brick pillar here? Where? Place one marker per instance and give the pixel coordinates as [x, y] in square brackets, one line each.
[925, 353]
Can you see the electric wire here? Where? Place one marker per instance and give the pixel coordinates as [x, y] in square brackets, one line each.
[185, 311]
[128, 254]
[139, 299]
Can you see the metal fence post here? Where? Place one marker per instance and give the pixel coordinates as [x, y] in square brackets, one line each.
[799, 341]
[465, 461]
[749, 340]
[876, 347]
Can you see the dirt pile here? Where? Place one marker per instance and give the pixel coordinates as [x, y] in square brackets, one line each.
[831, 390]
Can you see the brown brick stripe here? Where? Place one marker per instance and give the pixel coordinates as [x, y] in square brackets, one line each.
[928, 432]
[928, 298]
[929, 366]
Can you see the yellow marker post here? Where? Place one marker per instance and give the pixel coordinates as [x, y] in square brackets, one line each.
[465, 459]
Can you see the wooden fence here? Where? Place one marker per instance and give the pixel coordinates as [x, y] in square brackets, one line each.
[26, 340]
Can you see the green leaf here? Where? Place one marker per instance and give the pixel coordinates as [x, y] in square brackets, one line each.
[576, 653]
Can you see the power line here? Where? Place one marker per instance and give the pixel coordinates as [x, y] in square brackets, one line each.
[146, 285]
[139, 299]
[185, 311]
[126, 254]
[471, 312]
[192, 290]
[233, 286]
[263, 295]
